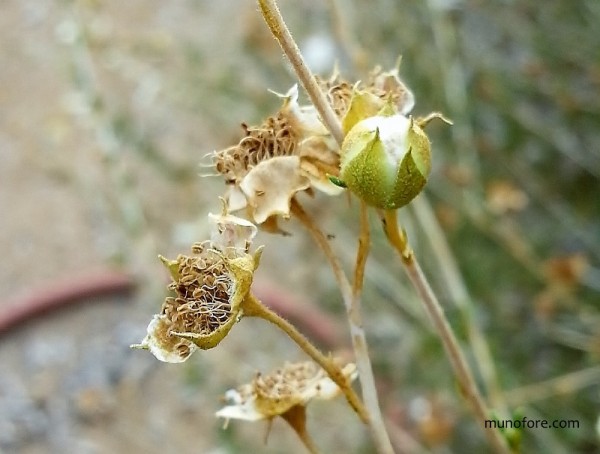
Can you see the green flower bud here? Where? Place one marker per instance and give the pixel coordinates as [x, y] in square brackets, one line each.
[385, 160]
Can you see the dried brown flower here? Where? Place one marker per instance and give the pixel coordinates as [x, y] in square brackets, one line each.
[276, 393]
[289, 152]
[384, 86]
[208, 290]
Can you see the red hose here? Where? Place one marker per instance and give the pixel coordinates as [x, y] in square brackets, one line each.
[60, 294]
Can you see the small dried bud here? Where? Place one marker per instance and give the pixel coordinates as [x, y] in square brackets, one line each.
[383, 86]
[386, 160]
[388, 85]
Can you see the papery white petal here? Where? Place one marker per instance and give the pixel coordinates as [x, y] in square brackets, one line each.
[393, 133]
[304, 119]
[270, 186]
[246, 411]
[236, 200]
[162, 345]
[231, 231]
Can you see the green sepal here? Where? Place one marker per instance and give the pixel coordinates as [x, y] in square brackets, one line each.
[419, 142]
[388, 110]
[362, 105]
[367, 172]
[408, 184]
[336, 181]
[414, 168]
[172, 266]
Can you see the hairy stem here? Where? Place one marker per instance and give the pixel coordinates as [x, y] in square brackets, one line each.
[355, 317]
[254, 308]
[351, 297]
[459, 293]
[461, 368]
[279, 29]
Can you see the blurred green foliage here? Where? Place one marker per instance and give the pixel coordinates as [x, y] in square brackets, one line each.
[521, 81]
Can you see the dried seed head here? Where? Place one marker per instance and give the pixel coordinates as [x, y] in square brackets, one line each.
[288, 153]
[209, 288]
[383, 86]
[338, 92]
[274, 138]
[276, 393]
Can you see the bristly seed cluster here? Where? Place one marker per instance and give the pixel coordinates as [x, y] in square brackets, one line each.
[201, 304]
[209, 288]
[385, 85]
[275, 137]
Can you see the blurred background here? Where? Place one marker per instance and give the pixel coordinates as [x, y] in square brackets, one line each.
[106, 111]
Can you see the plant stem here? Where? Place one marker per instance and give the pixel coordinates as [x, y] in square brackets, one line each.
[254, 308]
[355, 317]
[279, 29]
[362, 254]
[461, 368]
[351, 297]
[460, 295]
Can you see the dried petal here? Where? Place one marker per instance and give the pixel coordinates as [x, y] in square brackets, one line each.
[388, 85]
[270, 186]
[162, 344]
[304, 120]
[231, 231]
